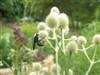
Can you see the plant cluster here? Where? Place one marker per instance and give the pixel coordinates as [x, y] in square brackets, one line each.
[55, 28]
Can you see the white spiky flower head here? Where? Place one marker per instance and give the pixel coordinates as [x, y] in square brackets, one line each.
[63, 20]
[43, 34]
[82, 40]
[56, 67]
[96, 39]
[72, 46]
[42, 26]
[32, 73]
[74, 38]
[52, 20]
[70, 72]
[55, 9]
[36, 66]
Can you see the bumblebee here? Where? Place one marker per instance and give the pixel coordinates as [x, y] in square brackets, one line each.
[37, 41]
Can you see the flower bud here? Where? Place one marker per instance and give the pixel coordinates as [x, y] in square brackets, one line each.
[72, 46]
[52, 20]
[55, 9]
[96, 39]
[63, 19]
[42, 26]
[42, 35]
[36, 66]
[70, 72]
[82, 40]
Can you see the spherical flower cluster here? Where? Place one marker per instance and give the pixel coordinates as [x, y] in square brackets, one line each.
[42, 26]
[63, 20]
[56, 19]
[36, 66]
[82, 40]
[72, 46]
[74, 38]
[42, 35]
[96, 39]
[55, 9]
[52, 20]
[54, 68]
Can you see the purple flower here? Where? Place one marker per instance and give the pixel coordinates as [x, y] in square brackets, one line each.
[19, 35]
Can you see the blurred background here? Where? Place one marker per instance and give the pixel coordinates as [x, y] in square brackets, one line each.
[80, 12]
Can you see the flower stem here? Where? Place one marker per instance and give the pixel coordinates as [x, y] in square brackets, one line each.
[62, 40]
[89, 69]
[92, 62]
[57, 62]
[86, 53]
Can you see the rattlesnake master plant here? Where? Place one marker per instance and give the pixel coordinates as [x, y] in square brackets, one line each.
[58, 24]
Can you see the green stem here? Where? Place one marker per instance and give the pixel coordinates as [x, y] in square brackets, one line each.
[69, 60]
[62, 40]
[50, 45]
[84, 50]
[92, 62]
[89, 69]
[57, 62]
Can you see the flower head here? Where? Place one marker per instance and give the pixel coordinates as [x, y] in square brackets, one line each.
[36, 66]
[96, 39]
[82, 40]
[64, 21]
[55, 9]
[52, 20]
[42, 26]
[19, 35]
[74, 38]
[42, 35]
[72, 46]
[54, 68]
